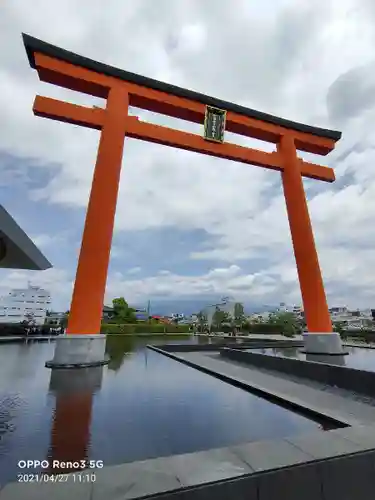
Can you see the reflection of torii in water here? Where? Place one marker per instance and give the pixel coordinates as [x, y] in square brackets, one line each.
[70, 438]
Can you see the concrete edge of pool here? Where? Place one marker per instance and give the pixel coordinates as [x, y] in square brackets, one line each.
[324, 465]
[351, 379]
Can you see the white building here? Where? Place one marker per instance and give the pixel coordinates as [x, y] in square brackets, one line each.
[338, 310]
[55, 318]
[295, 309]
[178, 316]
[352, 320]
[23, 302]
[260, 317]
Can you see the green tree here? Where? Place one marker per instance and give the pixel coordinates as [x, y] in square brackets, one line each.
[287, 322]
[239, 314]
[220, 317]
[30, 319]
[122, 313]
[118, 348]
[247, 326]
[201, 320]
[339, 327]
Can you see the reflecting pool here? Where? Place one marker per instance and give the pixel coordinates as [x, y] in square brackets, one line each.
[142, 405]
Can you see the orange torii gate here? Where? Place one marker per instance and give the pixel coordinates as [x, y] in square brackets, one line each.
[122, 89]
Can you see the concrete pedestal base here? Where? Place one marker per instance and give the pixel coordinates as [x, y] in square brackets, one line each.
[323, 343]
[79, 351]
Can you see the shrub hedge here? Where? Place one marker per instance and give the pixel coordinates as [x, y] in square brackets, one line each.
[359, 335]
[264, 328]
[20, 330]
[133, 329]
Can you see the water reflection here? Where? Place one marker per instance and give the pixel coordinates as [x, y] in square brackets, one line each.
[330, 360]
[9, 405]
[142, 406]
[118, 347]
[70, 434]
[202, 339]
[122, 347]
[288, 352]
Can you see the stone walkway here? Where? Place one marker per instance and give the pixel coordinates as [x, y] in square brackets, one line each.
[174, 473]
[334, 406]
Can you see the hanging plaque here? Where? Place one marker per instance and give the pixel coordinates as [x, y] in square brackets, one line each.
[214, 124]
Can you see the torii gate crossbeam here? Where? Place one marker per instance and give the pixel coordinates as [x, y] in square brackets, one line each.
[122, 89]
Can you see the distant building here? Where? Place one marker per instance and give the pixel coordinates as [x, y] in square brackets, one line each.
[177, 317]
[295, 309]
[352, 320]
[141, 314]
[161, 319]
[338, 310]
[107, 313]
[260, 317]
[54, 318]
[21, 304]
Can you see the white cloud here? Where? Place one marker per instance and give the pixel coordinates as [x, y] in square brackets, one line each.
[283, 60]
[47, 240]
[231, 281]
[134, 270]
[192, 38]
[57, 281]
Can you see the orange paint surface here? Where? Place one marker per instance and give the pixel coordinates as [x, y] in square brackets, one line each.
[312, 289]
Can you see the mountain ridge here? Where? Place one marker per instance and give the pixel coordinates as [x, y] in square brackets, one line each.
[191, 306]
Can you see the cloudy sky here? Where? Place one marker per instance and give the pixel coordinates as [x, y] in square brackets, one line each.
[188, 225]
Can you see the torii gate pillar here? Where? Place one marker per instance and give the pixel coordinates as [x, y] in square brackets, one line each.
[310, 277]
